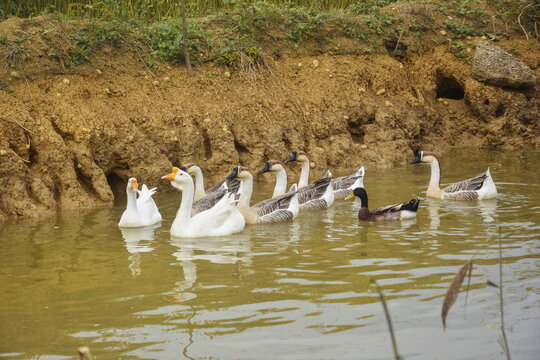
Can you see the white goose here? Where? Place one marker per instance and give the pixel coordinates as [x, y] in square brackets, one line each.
[480, 187]
[141, 211]
[222, 219]
[281, 208]
[316, 196]
[342, 185]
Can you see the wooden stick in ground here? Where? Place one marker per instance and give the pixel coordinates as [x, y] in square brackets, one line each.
[506, 349]
[184, 39]
[388, 320]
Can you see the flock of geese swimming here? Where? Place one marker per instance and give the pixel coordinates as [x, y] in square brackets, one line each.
[225, 208]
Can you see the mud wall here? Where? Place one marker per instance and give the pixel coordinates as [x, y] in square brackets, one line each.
[71, 138]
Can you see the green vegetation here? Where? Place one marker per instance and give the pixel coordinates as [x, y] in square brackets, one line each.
[459, 50]
[243, 30]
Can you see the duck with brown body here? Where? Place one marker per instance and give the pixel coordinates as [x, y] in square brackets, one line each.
[406, 210]
[316, 196]
[480, 187]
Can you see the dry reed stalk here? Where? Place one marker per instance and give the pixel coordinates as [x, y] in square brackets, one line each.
[453, 290]
[506, 349]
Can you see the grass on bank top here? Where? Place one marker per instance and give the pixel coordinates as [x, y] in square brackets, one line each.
[227, 31]
[160, 9]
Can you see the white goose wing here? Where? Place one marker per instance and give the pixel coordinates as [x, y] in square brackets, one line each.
[146, 206]
[222, 219]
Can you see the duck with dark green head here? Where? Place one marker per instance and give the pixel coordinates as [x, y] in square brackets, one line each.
[406, 210]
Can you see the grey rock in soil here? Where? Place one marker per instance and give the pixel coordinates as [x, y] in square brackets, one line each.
[495, 66]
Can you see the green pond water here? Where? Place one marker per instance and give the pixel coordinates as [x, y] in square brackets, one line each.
[296, 290]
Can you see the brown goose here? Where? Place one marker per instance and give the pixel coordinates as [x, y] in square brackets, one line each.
[479, 187]
[390, 212]
[204, 200]
[316, 196]
[196, 172]
[281, 208]
[342, 185]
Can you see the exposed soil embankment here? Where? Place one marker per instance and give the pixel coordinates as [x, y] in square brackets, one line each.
[72, 138]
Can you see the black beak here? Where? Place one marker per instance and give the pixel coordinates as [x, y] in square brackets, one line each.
[291, 158]
[266, 168]
[417, 160]
[233, 174]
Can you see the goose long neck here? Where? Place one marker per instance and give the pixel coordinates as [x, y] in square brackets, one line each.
[184, 213]
[131, 201]
[247, 190]
[304, 175]
[281, 183]
[199, 184]
[435, 180]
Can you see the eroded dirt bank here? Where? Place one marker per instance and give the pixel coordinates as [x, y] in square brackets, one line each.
[72, 138]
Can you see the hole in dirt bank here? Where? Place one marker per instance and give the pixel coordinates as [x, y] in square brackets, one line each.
[241, 149]
[207, 145]
[500, 110]
[118, 187]
[449, 88]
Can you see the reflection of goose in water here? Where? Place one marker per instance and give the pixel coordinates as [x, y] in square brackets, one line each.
[231, 249]
[433, 207]
[133, 238]
[488, 209]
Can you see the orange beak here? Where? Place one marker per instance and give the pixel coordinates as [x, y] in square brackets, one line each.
[172, 175]
[133, 185]
[169, 177]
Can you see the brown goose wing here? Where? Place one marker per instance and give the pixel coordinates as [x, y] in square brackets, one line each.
[277, 216]
[471, 184]
[232, 186]
[207, 202]
[313, 191]
[278, 203]
[344, 182]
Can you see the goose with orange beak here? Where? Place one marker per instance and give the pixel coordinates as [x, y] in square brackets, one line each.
[220, 220]
[141, 211]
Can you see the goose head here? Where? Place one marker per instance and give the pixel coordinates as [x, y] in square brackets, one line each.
[298, 155]
[239, 172]
[132, 186]
[272, 166]
[424, 157]
[190, 168]
[178, 178]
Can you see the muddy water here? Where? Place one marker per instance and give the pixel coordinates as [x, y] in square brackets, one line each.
[296, 290]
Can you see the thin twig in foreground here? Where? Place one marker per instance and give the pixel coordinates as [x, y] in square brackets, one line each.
[388, 320]
[506, 349]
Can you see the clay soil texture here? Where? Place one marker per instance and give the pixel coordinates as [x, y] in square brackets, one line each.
[71, 137]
